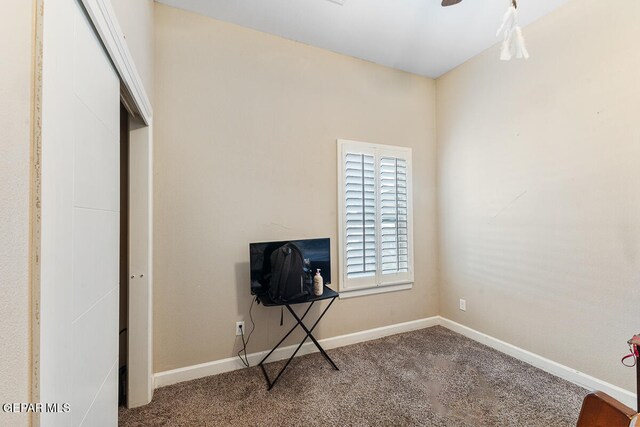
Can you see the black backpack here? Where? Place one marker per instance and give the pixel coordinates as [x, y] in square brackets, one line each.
[289, 277]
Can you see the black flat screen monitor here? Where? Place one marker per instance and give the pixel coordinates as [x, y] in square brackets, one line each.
[316, 251]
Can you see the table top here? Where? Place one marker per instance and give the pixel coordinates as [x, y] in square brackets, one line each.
[327, 293]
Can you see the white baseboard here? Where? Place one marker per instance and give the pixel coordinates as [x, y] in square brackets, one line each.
[188, 373]
[193, 372]
[554, 368]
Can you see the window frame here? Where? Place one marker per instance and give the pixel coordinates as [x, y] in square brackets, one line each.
[378, 283]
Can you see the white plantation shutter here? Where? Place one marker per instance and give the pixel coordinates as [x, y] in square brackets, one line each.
[360, 218]
[393, 215]
[375, 208]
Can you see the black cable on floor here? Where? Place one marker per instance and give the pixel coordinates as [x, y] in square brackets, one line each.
[245, 360]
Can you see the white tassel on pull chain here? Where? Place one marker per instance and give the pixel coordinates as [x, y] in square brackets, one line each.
[513, 43]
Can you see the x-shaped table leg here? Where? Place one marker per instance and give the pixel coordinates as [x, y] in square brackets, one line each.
[310, 335]
[300, 323]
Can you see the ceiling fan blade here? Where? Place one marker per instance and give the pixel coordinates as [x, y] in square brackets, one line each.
[446, 3]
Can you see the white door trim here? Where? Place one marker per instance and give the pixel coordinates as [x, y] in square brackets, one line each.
[106, 24]
[103, 17]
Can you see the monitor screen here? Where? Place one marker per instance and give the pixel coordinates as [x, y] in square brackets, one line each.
[316, 253]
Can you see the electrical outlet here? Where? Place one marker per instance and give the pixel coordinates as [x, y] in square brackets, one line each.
[239, 327]
[463, 304]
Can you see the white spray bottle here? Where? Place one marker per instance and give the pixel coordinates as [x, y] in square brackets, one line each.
[318, 283]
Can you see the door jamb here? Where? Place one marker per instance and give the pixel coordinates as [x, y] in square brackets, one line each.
[108, 29]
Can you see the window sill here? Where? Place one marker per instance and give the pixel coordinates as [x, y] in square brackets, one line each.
[376, 290]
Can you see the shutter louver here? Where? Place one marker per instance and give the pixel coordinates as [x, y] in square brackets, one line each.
[360, 207]
[393, 215]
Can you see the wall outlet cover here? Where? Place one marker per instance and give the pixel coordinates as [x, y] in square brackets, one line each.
[463, 304]
[239, 327]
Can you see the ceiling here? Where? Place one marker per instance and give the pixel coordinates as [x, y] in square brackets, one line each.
[418, 36]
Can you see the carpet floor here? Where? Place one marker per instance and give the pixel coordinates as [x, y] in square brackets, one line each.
[429, 377]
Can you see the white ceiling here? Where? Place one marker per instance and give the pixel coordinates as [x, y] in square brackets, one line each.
[418, 36]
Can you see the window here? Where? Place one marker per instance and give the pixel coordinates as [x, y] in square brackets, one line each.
[375, 236]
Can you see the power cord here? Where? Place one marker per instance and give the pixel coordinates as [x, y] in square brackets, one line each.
[243, 350]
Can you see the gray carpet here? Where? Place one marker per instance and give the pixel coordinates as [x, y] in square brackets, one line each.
[430, 377]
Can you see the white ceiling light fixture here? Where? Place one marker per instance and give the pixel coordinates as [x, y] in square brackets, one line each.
[513, 42]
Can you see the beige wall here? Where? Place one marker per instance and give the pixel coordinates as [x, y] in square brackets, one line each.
[136, 21]
[245, 150]
[17, 35]
[539, 189]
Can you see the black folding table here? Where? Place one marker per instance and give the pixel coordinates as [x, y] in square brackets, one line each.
[327, 294]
